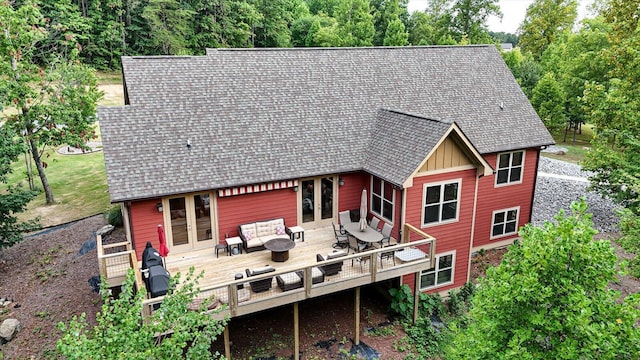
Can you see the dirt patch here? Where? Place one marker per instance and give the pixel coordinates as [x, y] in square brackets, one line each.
[47, 280]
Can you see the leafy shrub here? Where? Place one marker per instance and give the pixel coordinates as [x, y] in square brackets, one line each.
[630, 240]
[426, 339]
[114, 216]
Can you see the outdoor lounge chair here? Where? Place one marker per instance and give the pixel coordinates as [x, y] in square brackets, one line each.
[317, 276]
[289, 281]
[334, 268]
[263, 284]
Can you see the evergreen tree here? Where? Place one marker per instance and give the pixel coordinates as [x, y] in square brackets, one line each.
[355, 23]
[396, 34]
[168, 22]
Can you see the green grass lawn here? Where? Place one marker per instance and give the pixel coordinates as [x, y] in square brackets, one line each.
[575, 151]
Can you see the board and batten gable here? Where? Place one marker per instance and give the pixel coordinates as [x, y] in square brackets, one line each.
[145, 219]
[493, 198]
[235, 210]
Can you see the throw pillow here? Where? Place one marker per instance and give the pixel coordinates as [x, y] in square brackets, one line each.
[280, 230]
[247, 235]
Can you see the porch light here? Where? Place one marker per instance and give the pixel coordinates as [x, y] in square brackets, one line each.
[159, 207]
[295, 188]
[341, 181]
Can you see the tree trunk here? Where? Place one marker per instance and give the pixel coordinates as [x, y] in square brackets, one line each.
[43, 177]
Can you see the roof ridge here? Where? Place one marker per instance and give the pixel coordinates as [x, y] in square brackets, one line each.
[349, 48]
[400, 112]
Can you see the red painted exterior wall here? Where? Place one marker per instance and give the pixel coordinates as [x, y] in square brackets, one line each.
[349, 194]
[492, 198]
[240, 209]
[145, 219]
[452, 236]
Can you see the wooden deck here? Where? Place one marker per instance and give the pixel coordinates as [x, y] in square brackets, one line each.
[219, 281]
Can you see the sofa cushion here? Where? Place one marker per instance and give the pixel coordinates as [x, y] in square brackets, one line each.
[248, 229]
[262, 270]
[290, 278]
[269, 237]
[254, 242]
[336, 254]
[275, 224]
[264, 228]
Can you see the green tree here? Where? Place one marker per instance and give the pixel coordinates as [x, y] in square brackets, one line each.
[122, 333]
[396, 34]
[470, 18]
[274, 30]
[54, 103]
[385, 12]
[355, 22]
[549, 299]
[544, 21]
[548, 99]
[106, 41]
[528, 74]
[169, 22]
[14, 200]
[613, 106]
[315, 30]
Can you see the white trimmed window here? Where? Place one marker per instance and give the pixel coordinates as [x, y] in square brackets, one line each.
[441, 274]
[382, 198]
[441, 202]
[509, 168]
[505, 222]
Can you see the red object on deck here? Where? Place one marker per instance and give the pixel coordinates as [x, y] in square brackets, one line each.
[164, 250]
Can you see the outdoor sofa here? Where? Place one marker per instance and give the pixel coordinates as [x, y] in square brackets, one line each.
[255, 234]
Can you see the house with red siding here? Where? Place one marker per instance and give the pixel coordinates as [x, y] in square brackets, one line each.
[441, 137]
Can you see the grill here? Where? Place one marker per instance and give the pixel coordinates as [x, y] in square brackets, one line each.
[156, 277]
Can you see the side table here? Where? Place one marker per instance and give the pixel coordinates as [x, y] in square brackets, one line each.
[234, 242]
[296, 232]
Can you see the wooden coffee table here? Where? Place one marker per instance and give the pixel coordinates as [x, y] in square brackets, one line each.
[280, 248]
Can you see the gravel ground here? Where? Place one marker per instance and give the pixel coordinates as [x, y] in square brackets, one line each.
[553, 194]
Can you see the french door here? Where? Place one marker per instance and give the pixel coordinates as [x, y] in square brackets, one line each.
[190, 222]
[317, 201]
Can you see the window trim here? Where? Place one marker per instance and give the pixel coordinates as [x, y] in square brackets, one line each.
[424, 202]
[382, 199]
[508, 183]
[436, 270]
[493, 217]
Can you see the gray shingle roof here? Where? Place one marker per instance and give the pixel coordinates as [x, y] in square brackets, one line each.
[263, 115]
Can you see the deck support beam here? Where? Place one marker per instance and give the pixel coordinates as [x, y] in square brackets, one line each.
[416, 298]
[296, 332]
[227, 345]
[356, 307]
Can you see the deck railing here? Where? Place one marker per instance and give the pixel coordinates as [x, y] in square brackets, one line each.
[358, 269]
[115, 260]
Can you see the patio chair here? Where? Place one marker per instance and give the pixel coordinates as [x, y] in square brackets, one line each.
[374, 223]
[345, 218]
[289, 281]
[387, 255]
[333, 268]
[386, 234]
[342, 239]
[263, 284]
[317, 276]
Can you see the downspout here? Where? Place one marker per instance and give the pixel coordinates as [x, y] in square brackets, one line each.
[473, 222]
[402, 214]
[535, 180]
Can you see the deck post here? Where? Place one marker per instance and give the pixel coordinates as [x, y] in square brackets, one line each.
[416, 298]
[227, 345]
[356, 306]
[296, 332]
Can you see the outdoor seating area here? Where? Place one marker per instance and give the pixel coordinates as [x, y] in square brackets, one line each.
[245, 282]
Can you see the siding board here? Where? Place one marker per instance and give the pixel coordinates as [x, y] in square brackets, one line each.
[145, 219]
[492, 198]
[452, 236]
